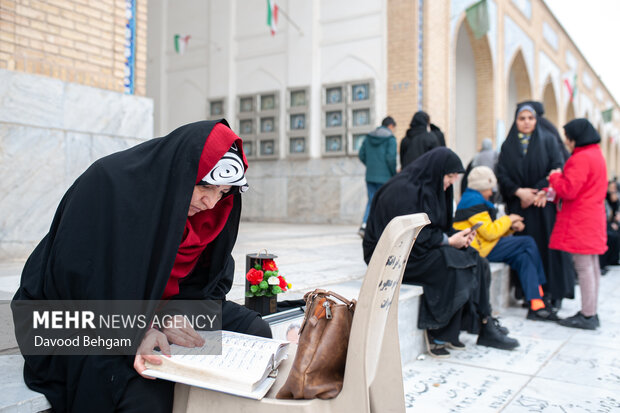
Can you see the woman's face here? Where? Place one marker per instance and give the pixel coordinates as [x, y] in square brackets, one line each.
[570, 145]
[526, 122]
[449, 179]
[205, 197]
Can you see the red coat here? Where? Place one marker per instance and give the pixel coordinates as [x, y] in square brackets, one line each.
[580, 224]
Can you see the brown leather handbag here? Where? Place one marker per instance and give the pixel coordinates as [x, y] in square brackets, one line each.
[318, 368]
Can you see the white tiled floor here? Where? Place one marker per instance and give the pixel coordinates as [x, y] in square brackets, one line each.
[556, 369]
[551, 396]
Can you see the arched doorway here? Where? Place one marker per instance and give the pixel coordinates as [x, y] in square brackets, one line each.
[550, 103]
[519, 87]
[473, 76]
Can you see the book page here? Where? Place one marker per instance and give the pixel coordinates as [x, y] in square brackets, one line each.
[244, 363]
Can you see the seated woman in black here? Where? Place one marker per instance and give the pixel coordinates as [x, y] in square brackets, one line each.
[155, 222]
[454, 276]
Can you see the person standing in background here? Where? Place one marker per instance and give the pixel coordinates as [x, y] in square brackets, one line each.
[487, 156]
[418, 140]
[525, 160]
[547, 127]
[378, 153]
[580, 226]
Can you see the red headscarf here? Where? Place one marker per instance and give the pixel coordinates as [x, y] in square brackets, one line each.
[205, 226]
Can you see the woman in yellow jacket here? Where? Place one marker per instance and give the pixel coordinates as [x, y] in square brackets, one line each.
[493, 242]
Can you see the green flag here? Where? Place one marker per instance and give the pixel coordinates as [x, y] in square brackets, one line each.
[607, 115]
[478, 18]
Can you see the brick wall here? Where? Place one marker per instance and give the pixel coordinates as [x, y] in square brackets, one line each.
[402, 90]
[437, 51]
[485, 108]
[79, 41]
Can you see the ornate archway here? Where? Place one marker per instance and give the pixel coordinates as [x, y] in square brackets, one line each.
[473, 79]
[519, 86]
[550, 102]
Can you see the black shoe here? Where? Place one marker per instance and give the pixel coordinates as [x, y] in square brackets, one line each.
[556, 304]
[604, 270]
[435, 350]
[491, 336]
[580, 321]
[596, 322]
[362, 231]
[500, 327]
[543, 314]
[457, 345]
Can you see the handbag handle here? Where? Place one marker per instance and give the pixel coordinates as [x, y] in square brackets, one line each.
[310, 296]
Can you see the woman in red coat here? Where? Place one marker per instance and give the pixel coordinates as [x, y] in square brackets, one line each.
[580, 226]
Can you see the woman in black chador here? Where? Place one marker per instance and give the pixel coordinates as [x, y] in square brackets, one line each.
[418, 139]
[154, 222]
[454, 276]
[526, 157]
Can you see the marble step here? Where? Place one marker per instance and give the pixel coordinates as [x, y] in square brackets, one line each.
[499, 290]
[411, 338]
[16, 396]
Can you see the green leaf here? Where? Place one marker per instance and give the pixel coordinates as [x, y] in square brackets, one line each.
[276, 289]
[268, 274]
[263, 285]
[249, 294]
[258, 267]
[253, 288]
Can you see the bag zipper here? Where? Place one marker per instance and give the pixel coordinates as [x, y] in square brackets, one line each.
[328, 310]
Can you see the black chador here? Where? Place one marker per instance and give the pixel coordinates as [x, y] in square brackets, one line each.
[528, 168]
[115, 236]
[453, 279]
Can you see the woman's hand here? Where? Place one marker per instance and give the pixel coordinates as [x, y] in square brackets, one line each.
[180, 331]
[541, 199]
[551, 172]
[527, 196]
[462, 238]
[153, 338]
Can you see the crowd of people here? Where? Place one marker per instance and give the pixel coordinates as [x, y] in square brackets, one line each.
[159, 221]
[559, 223]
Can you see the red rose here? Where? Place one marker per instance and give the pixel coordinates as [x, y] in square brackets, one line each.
[269, 265]
[254, 276]
[282, 282]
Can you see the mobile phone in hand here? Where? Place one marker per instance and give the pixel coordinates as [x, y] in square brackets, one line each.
[475, 227]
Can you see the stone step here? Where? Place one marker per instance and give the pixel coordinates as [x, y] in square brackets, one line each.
[411, 338]
[16, 396]
[499, 290]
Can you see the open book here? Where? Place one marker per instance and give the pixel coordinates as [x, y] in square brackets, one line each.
[246, 367]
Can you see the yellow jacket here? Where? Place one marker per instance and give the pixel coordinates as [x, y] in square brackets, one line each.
[488, 234]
